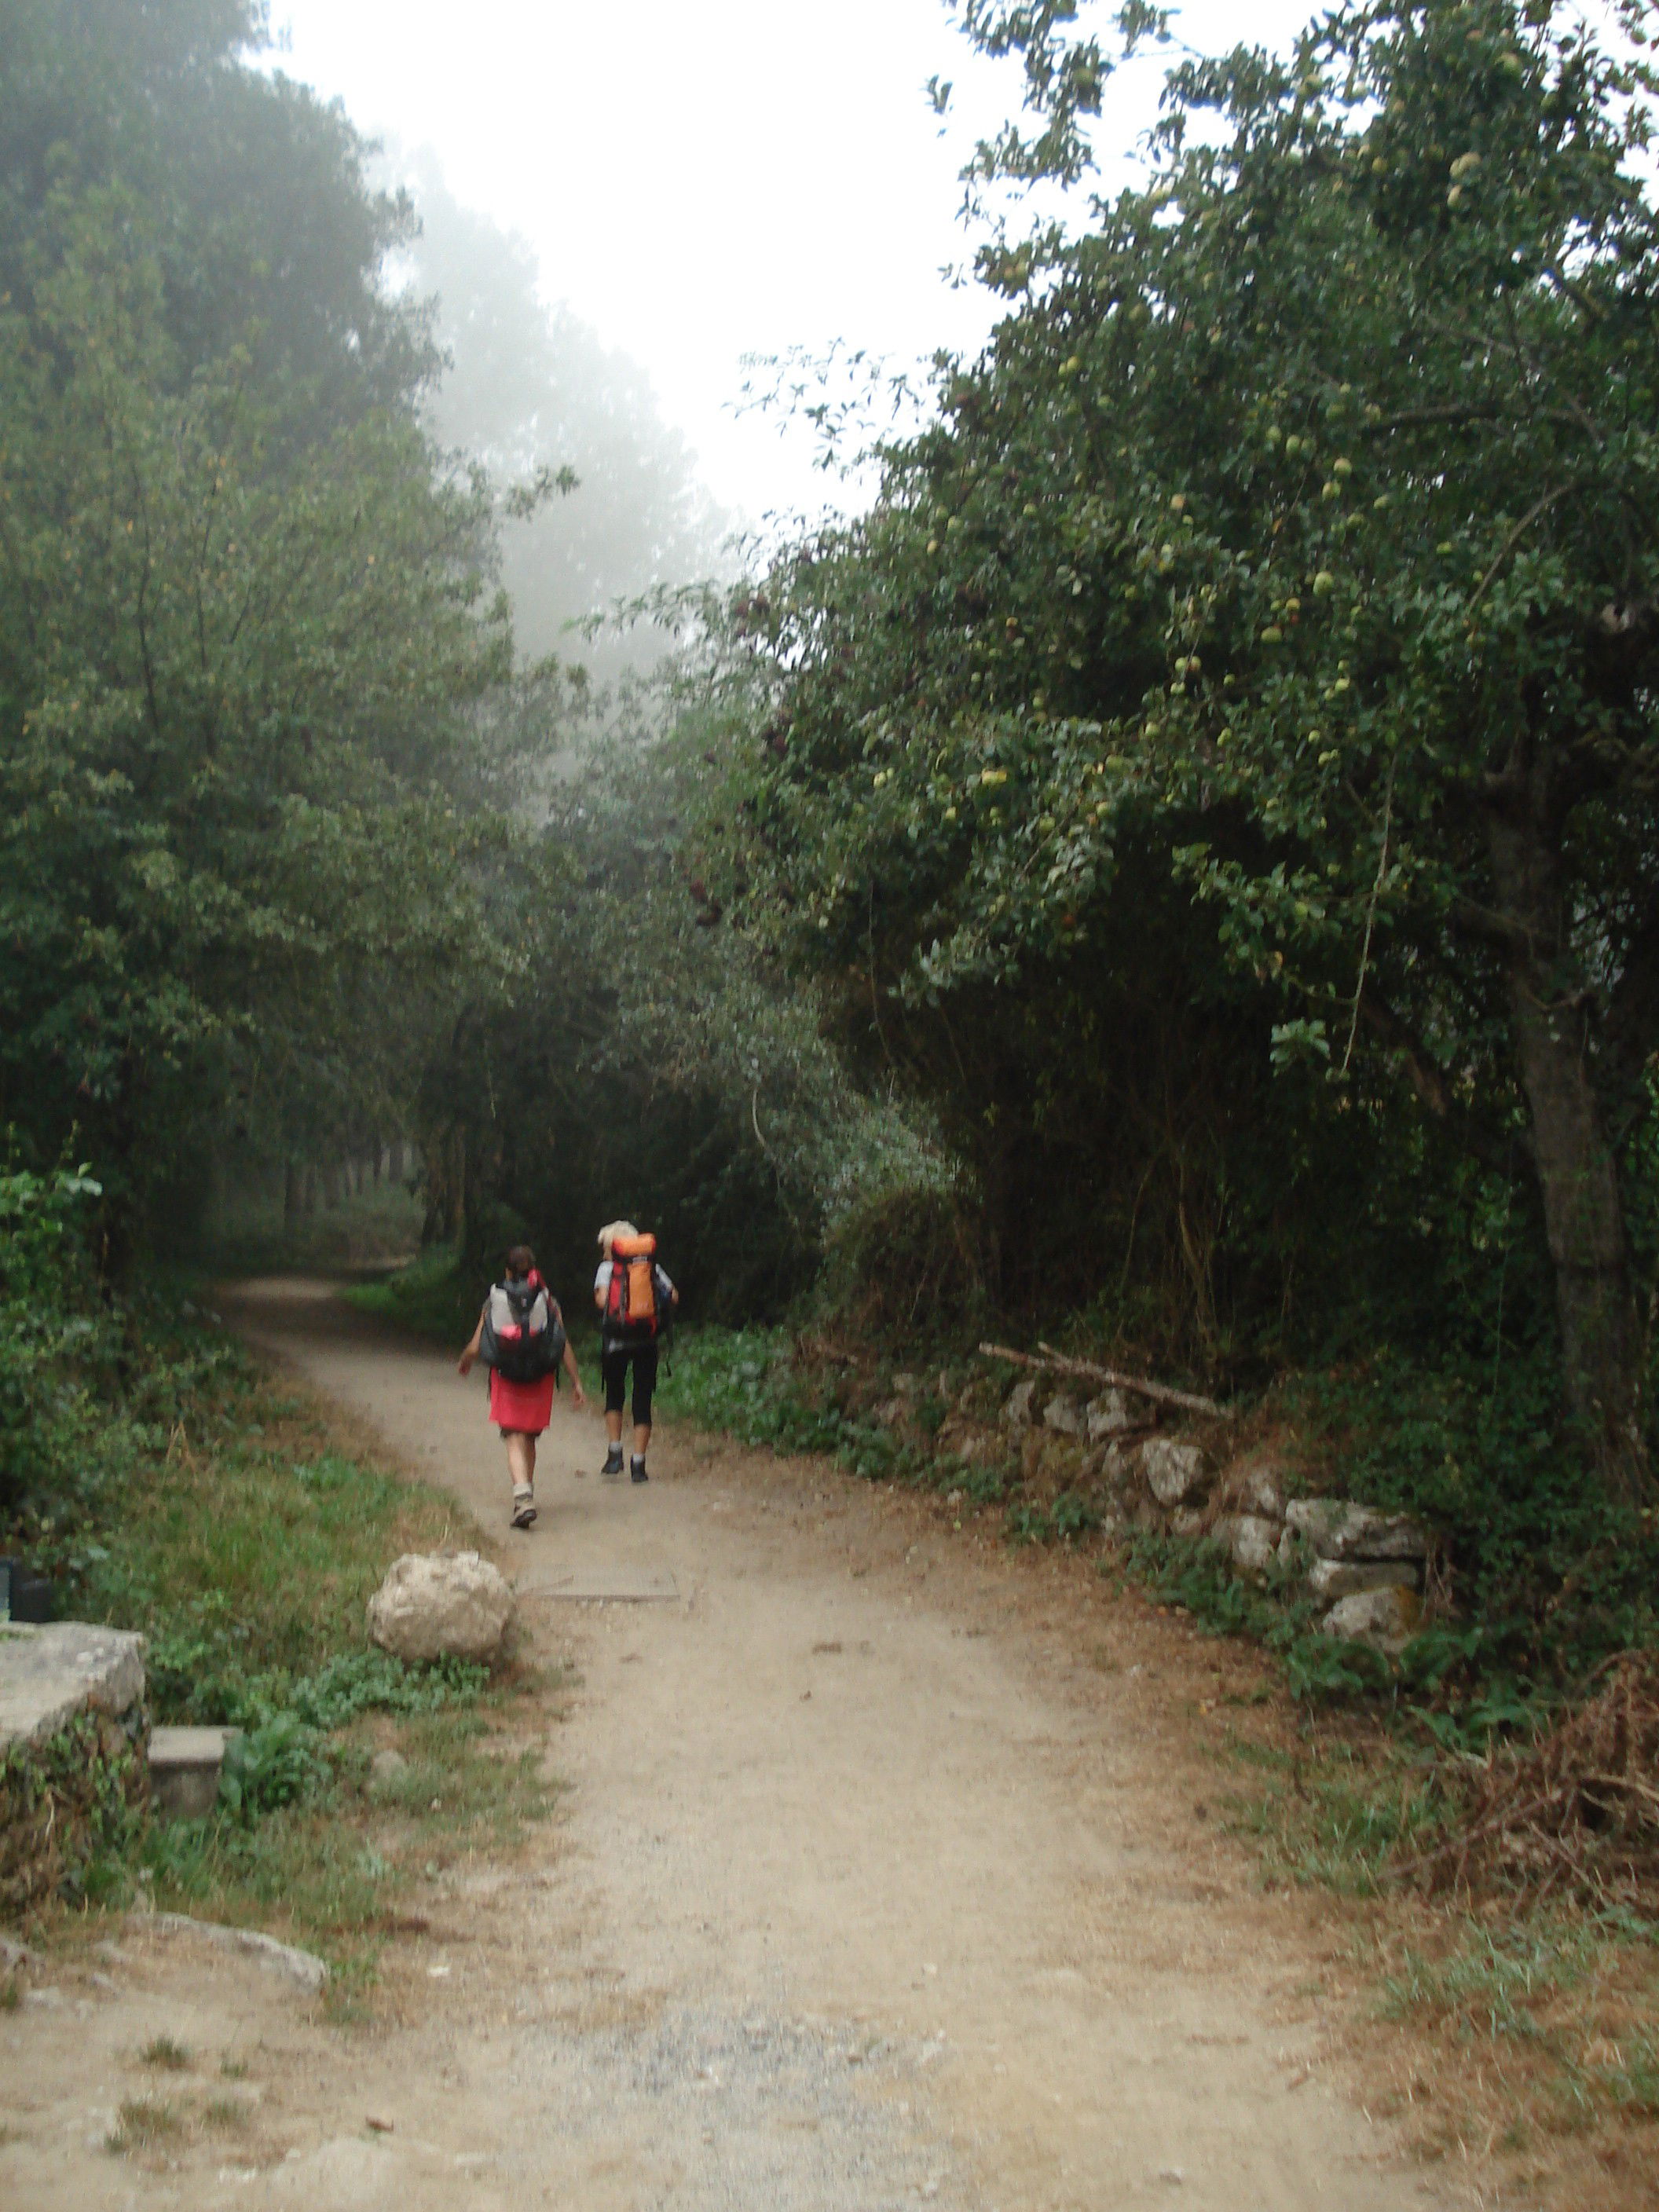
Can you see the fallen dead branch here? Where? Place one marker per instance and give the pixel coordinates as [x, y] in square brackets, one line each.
[1057, 1363]
[1578, 1813]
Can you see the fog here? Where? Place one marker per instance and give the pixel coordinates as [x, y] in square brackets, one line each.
[621, 205]
[528, 387]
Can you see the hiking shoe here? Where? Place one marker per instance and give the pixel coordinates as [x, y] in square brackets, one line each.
[612, 1469]
[636, 1471]
[523, 1508]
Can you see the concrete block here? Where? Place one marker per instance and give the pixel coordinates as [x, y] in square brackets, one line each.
[185, 1765]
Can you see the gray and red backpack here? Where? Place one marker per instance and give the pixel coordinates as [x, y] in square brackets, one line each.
[522, 1337]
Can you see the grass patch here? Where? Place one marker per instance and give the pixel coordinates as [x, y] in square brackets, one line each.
[1547, 2022]
[327, 1865]
[246, 1548]
[1560, 2013]
[165, 2054]
[143, 2124]
[431, 1296]
[1334, 1812]
[248, 1554]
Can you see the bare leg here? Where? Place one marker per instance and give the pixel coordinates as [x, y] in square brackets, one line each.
[641, 1435]
[613, 1427]
[520, 1459]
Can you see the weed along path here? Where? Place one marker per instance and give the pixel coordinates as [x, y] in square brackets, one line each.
[868, 1889]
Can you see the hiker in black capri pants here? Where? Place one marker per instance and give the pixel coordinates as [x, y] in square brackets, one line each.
[635, 1301]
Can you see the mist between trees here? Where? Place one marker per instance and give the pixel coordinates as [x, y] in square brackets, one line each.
[1182, 864]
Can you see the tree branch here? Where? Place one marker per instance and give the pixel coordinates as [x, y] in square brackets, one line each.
[1056, 1363]
[1511, 938]
[1538, 507]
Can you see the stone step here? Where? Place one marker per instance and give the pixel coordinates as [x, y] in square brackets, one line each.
[183, 1769]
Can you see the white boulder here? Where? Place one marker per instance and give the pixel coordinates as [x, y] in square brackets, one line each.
[1175, 1472]
[436, 1605]
[1333, 1578]
[1253, 1541]
[1107, 1414]
[1338, 1528]
[1017, 1413]
[1387, 1620]
[1263, 1494]
[1063, 1414]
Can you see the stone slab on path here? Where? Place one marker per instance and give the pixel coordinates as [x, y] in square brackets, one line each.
[617, 1585]
[51, 1672]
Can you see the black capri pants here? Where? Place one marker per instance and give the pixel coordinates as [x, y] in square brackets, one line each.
[613, 1368]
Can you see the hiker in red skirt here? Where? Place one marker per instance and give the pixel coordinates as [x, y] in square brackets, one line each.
[520, 1338]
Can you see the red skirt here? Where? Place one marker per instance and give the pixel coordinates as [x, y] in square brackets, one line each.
[526, 1406]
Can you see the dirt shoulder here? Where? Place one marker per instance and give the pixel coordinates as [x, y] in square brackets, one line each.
[890, 1872]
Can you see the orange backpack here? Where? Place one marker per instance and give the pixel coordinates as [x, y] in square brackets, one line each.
[630, 1301]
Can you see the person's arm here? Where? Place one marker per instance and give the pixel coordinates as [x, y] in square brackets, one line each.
[464, 1362]
[601, 1283]
[578, 1395]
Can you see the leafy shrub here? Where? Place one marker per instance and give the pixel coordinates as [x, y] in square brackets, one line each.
[354, 1682]
[1551, 1574]
[1070, 1515]
[902, 1265]
[748, 1382]
[53, 1339]
[276, 1764]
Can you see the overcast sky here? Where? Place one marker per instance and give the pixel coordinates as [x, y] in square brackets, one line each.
[701, 182]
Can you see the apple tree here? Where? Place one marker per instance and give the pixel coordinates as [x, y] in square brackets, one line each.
[1278, 594]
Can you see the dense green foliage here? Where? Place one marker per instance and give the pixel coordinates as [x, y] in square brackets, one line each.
[643, 1065]
[1219, 774]
[247, 633]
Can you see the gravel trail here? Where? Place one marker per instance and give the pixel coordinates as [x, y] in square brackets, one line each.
[874, 1889]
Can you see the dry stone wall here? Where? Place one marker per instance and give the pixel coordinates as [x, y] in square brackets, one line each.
[1366, 1567]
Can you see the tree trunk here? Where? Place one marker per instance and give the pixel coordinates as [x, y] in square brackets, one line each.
[1578, 1174]
[291, 1200]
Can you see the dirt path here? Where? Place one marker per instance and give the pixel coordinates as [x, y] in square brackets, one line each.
[871, 1892]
